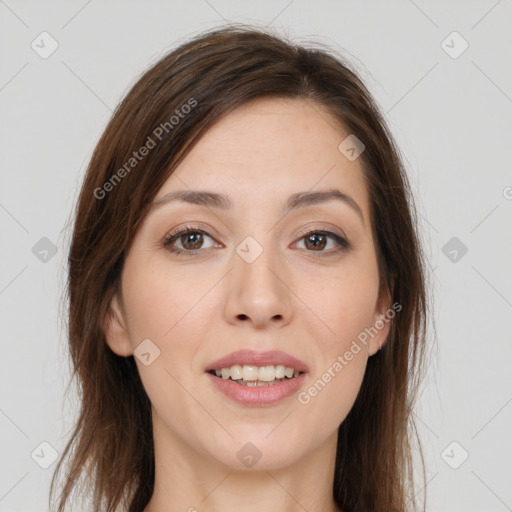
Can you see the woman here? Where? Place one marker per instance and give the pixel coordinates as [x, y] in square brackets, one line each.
[247, 304]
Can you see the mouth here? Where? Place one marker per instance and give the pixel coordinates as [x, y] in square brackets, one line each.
[257, 376]
[258, 379]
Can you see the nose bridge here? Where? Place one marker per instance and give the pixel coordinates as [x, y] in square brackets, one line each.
[257, 290]
[253, 261]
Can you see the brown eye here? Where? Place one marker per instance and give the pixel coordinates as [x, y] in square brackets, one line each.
[324, 243]
[192, 241]
[316, 241]
[188, 241]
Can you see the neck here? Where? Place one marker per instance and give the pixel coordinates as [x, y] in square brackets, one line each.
[190, 480]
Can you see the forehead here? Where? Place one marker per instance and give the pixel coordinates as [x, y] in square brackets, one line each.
[269, 149]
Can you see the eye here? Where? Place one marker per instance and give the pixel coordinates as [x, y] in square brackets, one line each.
[187, 240]
[191, 239]
[322, 241]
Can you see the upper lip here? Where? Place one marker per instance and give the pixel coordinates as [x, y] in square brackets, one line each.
[252, 357]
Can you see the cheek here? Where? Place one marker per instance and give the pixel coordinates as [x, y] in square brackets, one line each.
[345, 305]
[167, 309]
[158, 301]
[330, 395]
[336, 380]
[161, 309]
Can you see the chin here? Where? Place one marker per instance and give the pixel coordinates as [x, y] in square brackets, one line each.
[260, 449]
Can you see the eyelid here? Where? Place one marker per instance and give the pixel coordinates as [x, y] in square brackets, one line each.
[177, 232]
[328, 230]
[340, 240]
[189, 227]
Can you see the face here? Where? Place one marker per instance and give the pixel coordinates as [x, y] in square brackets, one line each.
[207, 278]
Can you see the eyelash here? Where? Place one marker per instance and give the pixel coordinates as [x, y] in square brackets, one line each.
[343, 244]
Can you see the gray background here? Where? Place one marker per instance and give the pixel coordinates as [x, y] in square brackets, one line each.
[451, 117]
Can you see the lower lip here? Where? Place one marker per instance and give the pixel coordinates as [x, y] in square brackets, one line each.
[258, 395]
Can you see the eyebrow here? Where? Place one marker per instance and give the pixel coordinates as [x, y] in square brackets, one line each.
[294, 202]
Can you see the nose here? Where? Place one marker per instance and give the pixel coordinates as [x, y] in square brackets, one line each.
[258, 292]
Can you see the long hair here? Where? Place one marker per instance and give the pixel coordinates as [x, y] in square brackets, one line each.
[110, 454]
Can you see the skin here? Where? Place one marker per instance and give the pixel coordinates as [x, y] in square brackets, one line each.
[198, 308]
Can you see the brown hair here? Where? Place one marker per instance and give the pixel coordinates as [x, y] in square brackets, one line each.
[216, 72]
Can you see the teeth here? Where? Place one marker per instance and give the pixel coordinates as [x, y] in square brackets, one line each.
[257, 375]
[235, 372]
[249, 372]
[280, 371]
[267, 373]
[255, 384]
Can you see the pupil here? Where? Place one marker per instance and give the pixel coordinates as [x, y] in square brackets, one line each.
[314, 239]
[189, 240]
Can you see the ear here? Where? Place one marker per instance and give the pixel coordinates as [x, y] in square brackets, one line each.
[114, 327]
[381, 321]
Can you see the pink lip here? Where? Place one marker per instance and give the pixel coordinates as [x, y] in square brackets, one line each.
[260, 395]
[257, 396]
[251, 357]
